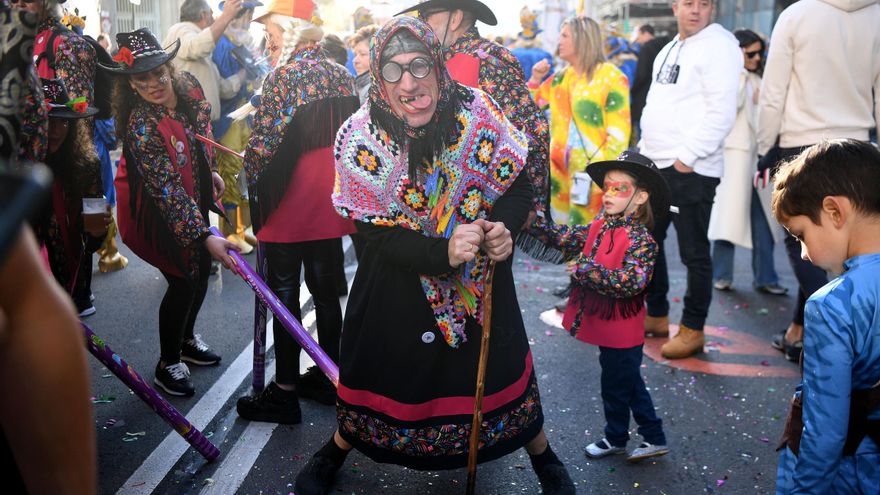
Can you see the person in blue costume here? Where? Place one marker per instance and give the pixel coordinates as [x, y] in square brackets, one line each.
[828, 199]
[527, 48]
[619, 52]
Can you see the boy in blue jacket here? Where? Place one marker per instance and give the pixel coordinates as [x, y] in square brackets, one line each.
[828, 198]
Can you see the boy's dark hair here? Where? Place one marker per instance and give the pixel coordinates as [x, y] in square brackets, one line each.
[837, 167]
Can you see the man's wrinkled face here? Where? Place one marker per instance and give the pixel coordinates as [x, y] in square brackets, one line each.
[439, 20]
[412, 99]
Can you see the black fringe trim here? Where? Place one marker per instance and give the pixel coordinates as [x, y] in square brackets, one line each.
[314, 126]
[606, 308]
[536, 249]
[150, 220]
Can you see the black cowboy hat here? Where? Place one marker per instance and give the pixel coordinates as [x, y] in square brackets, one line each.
[646, 173]
[139, 51]
[480, 10]
[59, 102]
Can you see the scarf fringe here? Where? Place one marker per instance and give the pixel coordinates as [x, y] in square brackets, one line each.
[536, 249]
[314, 126]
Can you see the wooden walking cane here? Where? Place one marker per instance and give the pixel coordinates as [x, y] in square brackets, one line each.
[477, 423]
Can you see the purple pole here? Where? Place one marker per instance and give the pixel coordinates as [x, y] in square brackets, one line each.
[148, 394]
[260, 313]
[294, 327]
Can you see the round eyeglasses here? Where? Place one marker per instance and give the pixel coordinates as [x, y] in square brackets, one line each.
[419, 67]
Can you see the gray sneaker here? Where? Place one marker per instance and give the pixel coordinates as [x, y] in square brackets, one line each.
[646, 450]
[601, 449]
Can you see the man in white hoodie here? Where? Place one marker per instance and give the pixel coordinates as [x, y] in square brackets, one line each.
[822, 67]
[690, 109]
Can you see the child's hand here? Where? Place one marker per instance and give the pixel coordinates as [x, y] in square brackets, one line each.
[498, 242]
[464, 243]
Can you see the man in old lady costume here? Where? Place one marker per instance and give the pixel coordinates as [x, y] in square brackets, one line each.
[431, 173]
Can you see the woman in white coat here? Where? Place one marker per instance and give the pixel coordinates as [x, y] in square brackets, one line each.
[741, 214]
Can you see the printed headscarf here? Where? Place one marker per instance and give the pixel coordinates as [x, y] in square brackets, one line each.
[423, 32]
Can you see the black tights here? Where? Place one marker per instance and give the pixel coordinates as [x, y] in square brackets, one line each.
[285, 262]
[178, 312]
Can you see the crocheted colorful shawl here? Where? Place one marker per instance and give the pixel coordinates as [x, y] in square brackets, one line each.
[461, 185]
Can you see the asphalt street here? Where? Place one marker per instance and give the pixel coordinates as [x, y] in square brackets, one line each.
[723, 411]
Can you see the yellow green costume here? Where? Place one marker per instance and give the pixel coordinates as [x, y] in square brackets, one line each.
[600, 130]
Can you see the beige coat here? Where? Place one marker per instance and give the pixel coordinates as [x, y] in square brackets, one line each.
[730, 220]
[194, 56]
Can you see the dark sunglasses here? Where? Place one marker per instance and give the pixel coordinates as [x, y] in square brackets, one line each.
[419, 67]
[753, 54]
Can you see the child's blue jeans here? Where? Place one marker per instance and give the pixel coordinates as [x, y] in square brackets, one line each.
[623, 390]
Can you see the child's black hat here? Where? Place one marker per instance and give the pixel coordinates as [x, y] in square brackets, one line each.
[646, 173]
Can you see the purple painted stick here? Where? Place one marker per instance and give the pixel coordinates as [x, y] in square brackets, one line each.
[148, 394]
[294, 327]
[260, 313]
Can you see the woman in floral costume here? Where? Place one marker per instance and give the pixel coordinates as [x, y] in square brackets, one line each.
[430, 171]
[289, 165]
[166, 182]
[589, 118]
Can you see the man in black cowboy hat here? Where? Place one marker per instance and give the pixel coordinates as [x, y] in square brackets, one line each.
[477, 62]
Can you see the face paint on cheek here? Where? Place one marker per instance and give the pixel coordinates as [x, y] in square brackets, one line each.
[618, 189]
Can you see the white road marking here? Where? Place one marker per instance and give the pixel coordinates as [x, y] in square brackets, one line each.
[238, 462]
[155, 467]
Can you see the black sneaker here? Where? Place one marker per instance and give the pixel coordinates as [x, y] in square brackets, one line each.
[772, 289]
[316, 477]
[85, 307]
[272, 405]
[174, 379]
[793, 351]
[555, 480]
[196, 351]
[778, 341]
[314, 384]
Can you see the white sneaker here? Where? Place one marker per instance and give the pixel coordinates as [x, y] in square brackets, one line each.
[646, 450]
[601, 449]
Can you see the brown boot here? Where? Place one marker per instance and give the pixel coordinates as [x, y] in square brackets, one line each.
[230, 231]
[241, 243]
[686, 343]
[110, 260]
[657, 326]
[244, 222]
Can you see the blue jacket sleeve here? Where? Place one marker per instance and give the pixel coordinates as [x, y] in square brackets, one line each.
[827, 386]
